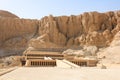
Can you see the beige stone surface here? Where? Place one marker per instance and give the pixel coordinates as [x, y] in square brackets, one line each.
[7, 14]
[86, 51]
[6, 70]
[66, 64]
[89, 28]
[111, 54]
[51, 73]
[15, 33]
[116, 40]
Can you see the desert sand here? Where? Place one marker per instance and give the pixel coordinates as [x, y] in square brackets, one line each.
[54, 73]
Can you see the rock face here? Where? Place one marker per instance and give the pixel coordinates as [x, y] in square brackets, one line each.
[116, 40]
[85, 52]
[15, 33]
[7, 14]
[89, 28]
[111, 54]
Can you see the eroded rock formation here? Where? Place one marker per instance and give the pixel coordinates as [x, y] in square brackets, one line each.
[111, 54]
[7, 14]
[89, 28]
[15, 33]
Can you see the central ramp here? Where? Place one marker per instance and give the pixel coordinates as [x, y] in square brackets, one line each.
[66, 64]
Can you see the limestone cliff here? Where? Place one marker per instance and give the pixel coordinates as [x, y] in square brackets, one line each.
[15, 33]
[7, 14]
[111, 54]
[89, 28]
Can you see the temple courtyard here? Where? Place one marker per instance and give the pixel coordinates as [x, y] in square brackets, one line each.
[54, 73]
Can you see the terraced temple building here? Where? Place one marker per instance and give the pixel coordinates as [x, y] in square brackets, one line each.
[54, 57]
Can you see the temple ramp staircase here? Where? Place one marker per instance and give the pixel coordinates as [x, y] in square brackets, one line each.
[66, 64]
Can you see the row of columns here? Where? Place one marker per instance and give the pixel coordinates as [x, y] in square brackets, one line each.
[43, 63]
[80, 63]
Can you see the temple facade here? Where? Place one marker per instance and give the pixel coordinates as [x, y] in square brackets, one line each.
[45, 58]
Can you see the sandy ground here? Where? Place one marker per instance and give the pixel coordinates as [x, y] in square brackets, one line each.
[6, 70]
[51, 73]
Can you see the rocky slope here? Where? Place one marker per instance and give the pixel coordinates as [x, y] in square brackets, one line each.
[7, 14]
[15, 33]
[89, 28]
[111, 54]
